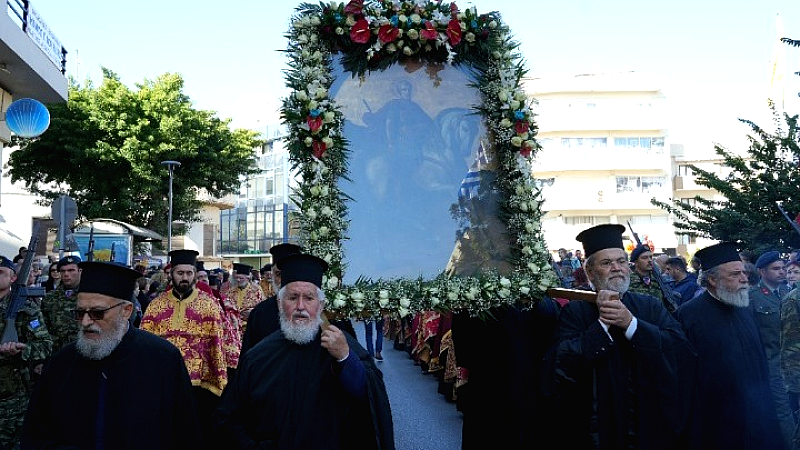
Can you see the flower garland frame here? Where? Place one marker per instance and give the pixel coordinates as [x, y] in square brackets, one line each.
[372, 36]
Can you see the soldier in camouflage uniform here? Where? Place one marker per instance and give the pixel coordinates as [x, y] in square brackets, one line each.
[18, 359]
[58, 304]
[790, 349]
[642, 277]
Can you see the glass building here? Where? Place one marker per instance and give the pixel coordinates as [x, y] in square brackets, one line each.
[261, 216]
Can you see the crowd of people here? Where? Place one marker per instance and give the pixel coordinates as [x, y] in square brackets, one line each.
[658, 359]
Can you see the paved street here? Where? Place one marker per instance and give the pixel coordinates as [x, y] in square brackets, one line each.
[423, 419]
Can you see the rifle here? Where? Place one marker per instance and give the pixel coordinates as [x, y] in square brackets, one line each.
[19, 290]
[794, 224]
[90, 248]
[666, 292]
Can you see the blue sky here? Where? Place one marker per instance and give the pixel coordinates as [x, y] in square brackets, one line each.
[710, 52]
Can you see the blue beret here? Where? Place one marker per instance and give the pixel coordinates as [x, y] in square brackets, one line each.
[767, 258]
[71, 259]
[637, 252]
[5, 262]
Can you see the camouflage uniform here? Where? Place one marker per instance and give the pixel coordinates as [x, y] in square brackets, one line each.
[645, 285]
[15, 381]
[57, 310]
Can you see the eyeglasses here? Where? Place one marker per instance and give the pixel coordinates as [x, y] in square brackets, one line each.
[94, 314]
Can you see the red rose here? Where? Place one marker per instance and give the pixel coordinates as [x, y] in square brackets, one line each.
[318, 148]
[454, 32]
[387, 33]
[314, 123]
[525, 150]
[360, 33]
[521, 127]
[429, 32]
[354, 7]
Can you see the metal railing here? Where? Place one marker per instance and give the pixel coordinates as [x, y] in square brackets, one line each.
[21, 9]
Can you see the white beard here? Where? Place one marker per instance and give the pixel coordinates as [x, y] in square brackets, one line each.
[615, 284]
[108, 341]
[299, 333]
[739, 298]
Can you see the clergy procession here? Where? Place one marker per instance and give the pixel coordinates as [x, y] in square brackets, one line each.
[616, 370]
[407, 291]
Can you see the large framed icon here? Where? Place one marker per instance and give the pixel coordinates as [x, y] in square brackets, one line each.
[414, 138]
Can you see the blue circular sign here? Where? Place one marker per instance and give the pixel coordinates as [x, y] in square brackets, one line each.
[27, 117]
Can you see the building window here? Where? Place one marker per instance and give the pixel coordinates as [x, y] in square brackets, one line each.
[691, 201]
[650, 145]
[586, 220]
[640, 185]
[581, 142]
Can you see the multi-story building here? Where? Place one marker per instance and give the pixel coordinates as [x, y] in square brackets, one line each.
[260, 218]
[32, 65]
[604, 157]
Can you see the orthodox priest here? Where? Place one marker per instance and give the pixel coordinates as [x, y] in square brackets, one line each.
[622, 363]
[115, 387]
[734, 405]
[264, 317]
[306, 386]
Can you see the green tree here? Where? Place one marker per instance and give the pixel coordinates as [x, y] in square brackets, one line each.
[105, 145]
[748, 215]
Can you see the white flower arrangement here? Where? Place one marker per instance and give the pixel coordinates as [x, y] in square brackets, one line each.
[374, 35]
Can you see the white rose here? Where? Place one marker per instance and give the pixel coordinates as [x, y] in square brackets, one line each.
[321, 93]
[505, 123]
[516, 141]
[315, 20]
[383, 294]
[301, 95]
[405, 303]
[412, 34]
[469, 37]
[523, 207]
[339, 303]
[403, 312]
[339, 31]
[326, 211]
[323, 231]
[514, 104]
[327, 141]
[350, 21]
[302, 39]
[493, 24]
[503, 96]
[452, 296]
[524, 290]
[469, 295]
[384, 302]
[314, 190]
[311, 214]
[527, 250]
[333, 282]
[402, 18]
[416, 19]
[328, 258]
[504, 293]
[435, 301]
[407, 51]
[505, 282]
[534, 204]
[308, 141]
[324, 190]
[313, 104]
[529, 227]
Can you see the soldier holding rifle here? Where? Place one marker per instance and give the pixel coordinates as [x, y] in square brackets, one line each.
[623, 366]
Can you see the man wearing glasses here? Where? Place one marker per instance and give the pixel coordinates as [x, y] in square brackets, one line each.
[115, 386]
[17, 359]
[619, 359]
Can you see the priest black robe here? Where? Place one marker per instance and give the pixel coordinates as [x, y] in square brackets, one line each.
[138, 397]
[263, 320]
[289, 396]
[622, 394]
[734, 406]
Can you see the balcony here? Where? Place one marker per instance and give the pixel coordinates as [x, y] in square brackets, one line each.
[556, 158]
[32, 60]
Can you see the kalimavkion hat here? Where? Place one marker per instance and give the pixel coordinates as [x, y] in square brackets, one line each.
[717, 254]
[110, 279]
[267, 267]
[601, 237]
[281, 251]
[302, 267]
[242, 269]
[199, 266]
[637, 252]
[767, 258]
[183, 257]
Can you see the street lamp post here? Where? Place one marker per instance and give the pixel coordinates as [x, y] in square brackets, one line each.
[170, 165]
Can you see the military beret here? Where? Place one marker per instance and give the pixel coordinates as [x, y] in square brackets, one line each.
[67, 260]
[5, 262]
[767, 258]
[637, 252]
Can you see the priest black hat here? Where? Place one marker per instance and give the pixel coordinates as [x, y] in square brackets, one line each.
[242, 269]
[302, 267]
[601, 237]
[199, 266]
[717, 254]
[183, 257]
[109, 279]
[281, 251]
